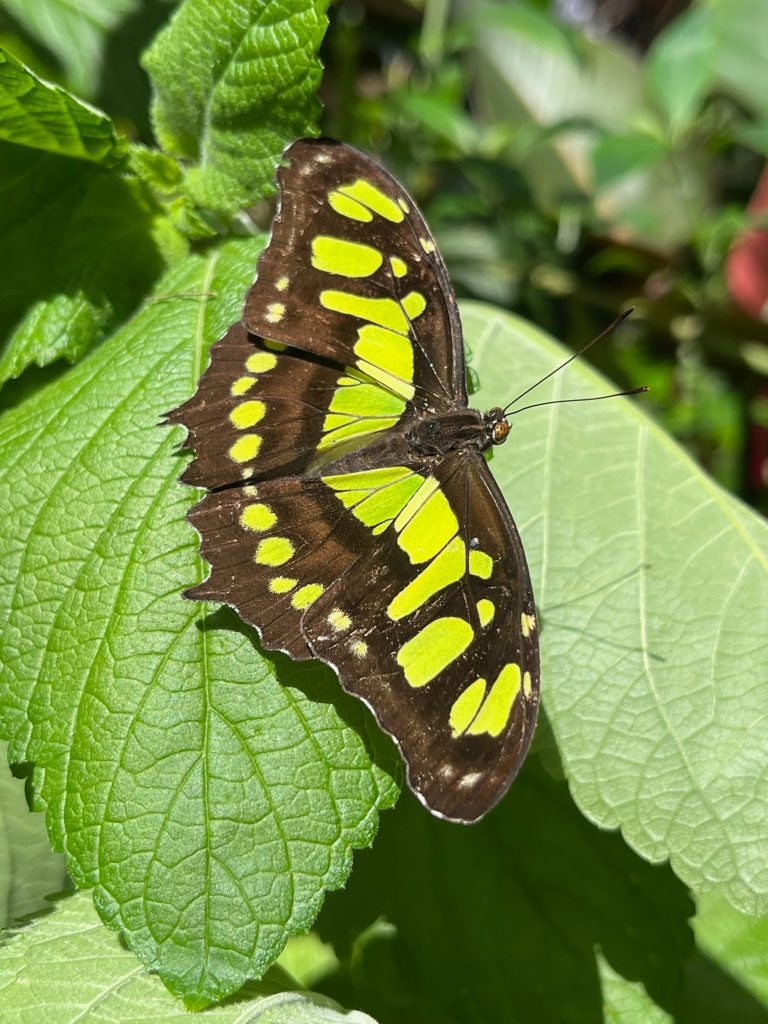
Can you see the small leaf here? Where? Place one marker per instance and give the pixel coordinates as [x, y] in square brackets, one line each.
[740, 53]
[159, 172]
[308, 959]
[64, 964]
[627, 1002]
[443, 118]
[76, 34]
[84, 249]
[616, 156]
[39, 114]
[208, 793]
[754, 135]
[234, 84]
[652, 584]
[735, 941]
[679, 66]
[29, 871]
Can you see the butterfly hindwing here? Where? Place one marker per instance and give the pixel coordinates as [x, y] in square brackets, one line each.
[352, 273]
[418, 596]
[274, 548]
[434, 628]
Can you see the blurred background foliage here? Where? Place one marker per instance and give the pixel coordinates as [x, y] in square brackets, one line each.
[576, 157]
[573, 157]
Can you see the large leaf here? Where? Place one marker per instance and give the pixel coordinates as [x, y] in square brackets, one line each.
[85, 250]
[36, 113]
[208, 794]
[521, 918]
[651, 581]
[65, 968]
[679, 66]
[29, 870]
[530, 69]
[234, 84]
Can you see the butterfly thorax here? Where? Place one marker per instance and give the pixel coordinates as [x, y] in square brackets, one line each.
[456, 430]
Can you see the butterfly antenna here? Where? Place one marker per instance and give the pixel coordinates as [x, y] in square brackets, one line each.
[581, 351]
[589, 398]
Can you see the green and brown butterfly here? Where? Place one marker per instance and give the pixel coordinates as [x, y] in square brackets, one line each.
[351, 514]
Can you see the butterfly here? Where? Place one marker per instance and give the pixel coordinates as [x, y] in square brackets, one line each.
[351, 515]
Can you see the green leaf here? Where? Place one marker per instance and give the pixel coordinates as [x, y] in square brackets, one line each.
[159, 172]
[525, 22]
[308, 959]
[616, 156]
[727, 979]
[36, 113]
[568, 97]
[86, 246]
[443, 118]
[754, 136]
[29, 870]
[65, 967]
[713, 995]
[75, 33]
[546, 79]
[740, 55]
[518, 919]
[234, 84]
[208, 793]
[679, 66]
[627, 1002]
[651, 582]
[735, 941]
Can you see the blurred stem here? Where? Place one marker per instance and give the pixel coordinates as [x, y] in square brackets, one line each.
[432, 40]
[342, 117]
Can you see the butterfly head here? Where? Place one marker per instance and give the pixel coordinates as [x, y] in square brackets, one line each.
[496, 425]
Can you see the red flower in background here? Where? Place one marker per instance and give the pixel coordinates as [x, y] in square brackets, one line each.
[747, 265]
[747, 275]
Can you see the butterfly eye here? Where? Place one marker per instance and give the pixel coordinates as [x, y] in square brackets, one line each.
[500, 432]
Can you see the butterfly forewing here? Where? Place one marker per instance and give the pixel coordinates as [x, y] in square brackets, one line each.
[262, 410]
[353, 274]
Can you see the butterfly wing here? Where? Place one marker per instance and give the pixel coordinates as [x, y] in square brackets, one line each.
[411, 582]
[322, 528]
[352, 273]
[439, 638]
[262, 410]
[273, 549]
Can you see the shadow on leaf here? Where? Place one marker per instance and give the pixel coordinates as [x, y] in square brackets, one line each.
[502, 921]
[320, 684]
